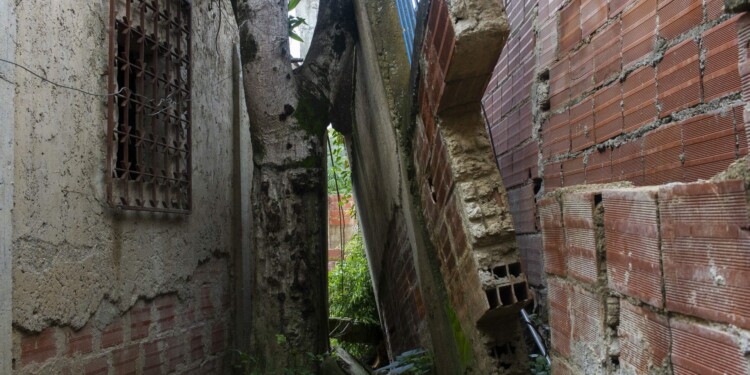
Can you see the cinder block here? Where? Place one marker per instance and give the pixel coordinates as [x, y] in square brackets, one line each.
[704, 244]
[699, 349]
[679, 16]
[553, 236]
[638, 31]
[580, 236]
[721, 75]
[644, 339]
[632, 238]
[679, 77]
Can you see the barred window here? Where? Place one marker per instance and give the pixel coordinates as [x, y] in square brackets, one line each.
[148, 119]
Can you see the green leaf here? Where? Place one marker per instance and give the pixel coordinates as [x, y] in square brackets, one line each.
[293, 4]
[296, 37]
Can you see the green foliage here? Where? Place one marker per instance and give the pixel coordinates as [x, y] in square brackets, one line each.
[538, 365]
[349, 286]
[350, 293]
[295, 22]
[339, 170]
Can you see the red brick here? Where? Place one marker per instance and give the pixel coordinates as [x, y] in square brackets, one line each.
[197, 350]
[165, 309]
[599, 167]
[530, 248]
[582, 70]
[218, 338]
[608, 56]
[632, 237]
[38, 347]
[80, 341]
[582, 125]
[560, 367]
[548, 43]
[112, 334]
[616, 6]
[574, 172]
[679, 16]
[559, 316]
[721, 75]
[513, 123]
[710, 144]
[152, 360]
[553, 236]
[639, 98]
[627, 162]
[570, 26]
[580, 236]
[638, 31]
[662, 153]
[607, 113]
[559, 83]
[679, 78]
[552, 176]
[523, 209]
[587, 329]
[593, 15]
[704, 242]
[125, 360]
[140, 320]
[96, 366]
[741, 131]
[714, 9]
[556, 135]
[175, 352]
[699, 349]
[644, 339]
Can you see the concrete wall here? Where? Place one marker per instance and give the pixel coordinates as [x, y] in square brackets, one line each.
[93, 286]
[7, 143]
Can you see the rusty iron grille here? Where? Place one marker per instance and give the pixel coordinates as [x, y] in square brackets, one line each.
[148, 119]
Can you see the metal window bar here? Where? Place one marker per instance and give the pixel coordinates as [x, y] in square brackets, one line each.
[148, 120]
[408, 19]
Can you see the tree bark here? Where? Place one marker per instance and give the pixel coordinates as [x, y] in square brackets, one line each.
[289, 112]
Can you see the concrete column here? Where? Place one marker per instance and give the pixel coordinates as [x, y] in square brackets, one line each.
[7, 125]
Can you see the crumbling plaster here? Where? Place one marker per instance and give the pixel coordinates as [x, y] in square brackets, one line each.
[7, 96]
[73, 254]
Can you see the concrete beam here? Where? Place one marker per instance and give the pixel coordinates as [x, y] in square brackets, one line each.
[7, 125]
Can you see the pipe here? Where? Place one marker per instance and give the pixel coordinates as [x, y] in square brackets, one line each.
[535, 335]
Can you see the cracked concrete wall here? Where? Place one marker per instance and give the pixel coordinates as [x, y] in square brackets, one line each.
[73, 256]
[7, 141]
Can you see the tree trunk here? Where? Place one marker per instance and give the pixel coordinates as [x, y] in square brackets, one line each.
[289, 112]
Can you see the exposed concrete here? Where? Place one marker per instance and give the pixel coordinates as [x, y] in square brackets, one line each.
[7, 142]
[73, 254]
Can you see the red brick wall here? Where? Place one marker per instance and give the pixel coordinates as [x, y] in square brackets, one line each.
[659, 283]
[184, 334]
[643, 91]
